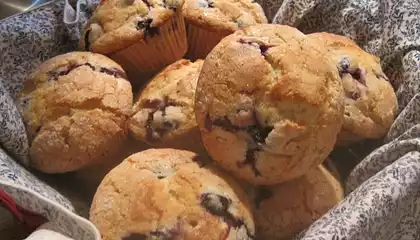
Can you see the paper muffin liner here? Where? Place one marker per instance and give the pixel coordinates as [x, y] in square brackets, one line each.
[145, 58]
[201, 41]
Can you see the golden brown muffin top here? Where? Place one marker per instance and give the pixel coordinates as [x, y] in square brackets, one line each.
[165, 193]
[72, 105]
[116, 24]
[269, 103]
[164, 109]
[223, 15]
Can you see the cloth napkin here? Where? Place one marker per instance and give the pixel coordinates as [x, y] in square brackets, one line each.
[382, 191]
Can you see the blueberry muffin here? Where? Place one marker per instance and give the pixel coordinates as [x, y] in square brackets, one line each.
[163, 114]
[208, 21]
[370, 101]
[167, 194]
[281, 211]
[269, 104]
[75, 107]
[142, 36]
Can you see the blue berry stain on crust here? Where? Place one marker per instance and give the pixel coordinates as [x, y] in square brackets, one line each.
[262, 46]
[218, 205]
[344, 68]
[257, 131]
[145, 25]
[55, 75]
[115, 72]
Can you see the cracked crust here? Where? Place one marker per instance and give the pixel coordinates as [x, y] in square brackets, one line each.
[75, 108]
[117, 24]
[370, 101]
[224, 16]
[282, 216]
[163, 114]
[268, 104]
[165, 193]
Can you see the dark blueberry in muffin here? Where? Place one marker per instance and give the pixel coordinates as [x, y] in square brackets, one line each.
[250, 160]
[257, 131]
[113, 72]
[343, 66]
[145, 25]
[359, 76]
[55, 75]
[225, 124]
[263, 47]
[215, 204]
[147, 3]
[219, 206]
[156, 105]
[210, 3]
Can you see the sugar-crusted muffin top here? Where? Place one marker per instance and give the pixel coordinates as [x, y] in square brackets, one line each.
[223, 15]
[370, 101]
[165, 193]
[116, 24]
[71, 81]
[165, 107]
[269, 103]
[72, 105]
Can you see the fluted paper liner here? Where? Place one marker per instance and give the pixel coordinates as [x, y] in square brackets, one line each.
[201, 41]
[151, 54]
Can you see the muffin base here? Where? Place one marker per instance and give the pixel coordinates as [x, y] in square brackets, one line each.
[201, 41]
[144, 59]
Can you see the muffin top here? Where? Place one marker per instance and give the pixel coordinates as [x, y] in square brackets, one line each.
[116, 24]
[166, 194]
[72, 105]
[224, 16]
[269, 104]
[282, 211]
[370, 101]
[164, 109]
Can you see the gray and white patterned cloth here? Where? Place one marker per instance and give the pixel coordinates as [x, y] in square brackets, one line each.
[383, 190]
